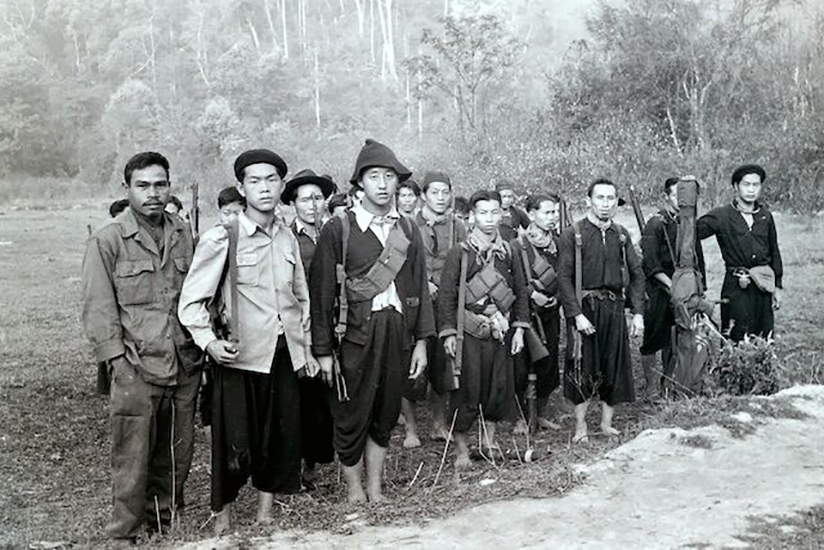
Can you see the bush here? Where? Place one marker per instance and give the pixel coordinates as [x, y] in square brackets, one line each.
[749, 367]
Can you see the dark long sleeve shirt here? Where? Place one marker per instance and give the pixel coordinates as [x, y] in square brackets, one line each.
[363, 251]
[741, 245]
[657, 255]
[509, 267]
[602, 265]
[550, 255]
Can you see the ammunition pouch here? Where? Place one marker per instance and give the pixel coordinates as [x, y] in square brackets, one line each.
[384, 271]
[489, 283]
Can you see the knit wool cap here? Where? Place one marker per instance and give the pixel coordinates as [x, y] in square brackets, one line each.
[259, 156]
[742, 171]
[432, 177]
[375, 153]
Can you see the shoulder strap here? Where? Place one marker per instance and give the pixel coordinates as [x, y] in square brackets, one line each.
[461, 313]
[343, 305]
[525, 259]
[579, 280]
[234, 322]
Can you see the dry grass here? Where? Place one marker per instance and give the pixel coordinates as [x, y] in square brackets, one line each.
[54, 448]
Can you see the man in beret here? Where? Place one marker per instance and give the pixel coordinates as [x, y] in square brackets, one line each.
[513, 219]
[386, 321]
[440, 231]
[132, 274]
[746, 234]
[263, 345]
[308, 193]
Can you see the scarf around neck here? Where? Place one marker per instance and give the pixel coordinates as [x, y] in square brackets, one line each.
[486, 247]
[432, 219]
[540, 238]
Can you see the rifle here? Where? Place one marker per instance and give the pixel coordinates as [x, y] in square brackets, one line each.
[636, 208]
[194, 215]
[563, 216]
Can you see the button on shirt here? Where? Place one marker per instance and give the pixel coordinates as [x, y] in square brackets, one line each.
[380, 226]
[273, 294]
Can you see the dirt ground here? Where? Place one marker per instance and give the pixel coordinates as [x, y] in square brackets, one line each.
[667, 488]
[54, 449]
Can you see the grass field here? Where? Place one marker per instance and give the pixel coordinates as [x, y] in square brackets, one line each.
[54, 450]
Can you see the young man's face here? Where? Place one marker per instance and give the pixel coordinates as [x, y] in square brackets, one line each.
[379, 186]
[309, 203]
[487, 216]
[148, 190]
[546, 216]
[261, 186]
[507, 198]
[749, 188]
[438, 197]
[407, 200]
[229, 212]
[671, 198]
[603, 201]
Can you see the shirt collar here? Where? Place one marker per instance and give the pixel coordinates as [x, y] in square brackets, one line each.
[364, 218]
[249, 226]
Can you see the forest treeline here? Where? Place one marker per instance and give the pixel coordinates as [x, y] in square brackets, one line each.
[484, 89]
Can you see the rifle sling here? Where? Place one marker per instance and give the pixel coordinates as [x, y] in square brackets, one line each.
[461, 314]
[528, 275]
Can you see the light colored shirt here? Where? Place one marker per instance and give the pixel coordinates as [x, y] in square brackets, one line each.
[273, 296]
[380, 226]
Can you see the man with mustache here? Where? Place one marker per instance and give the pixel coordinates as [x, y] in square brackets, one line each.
[132, 274]
[386, 322]
[264, 345]
[597, 265]
[308, 193]
[748, 240]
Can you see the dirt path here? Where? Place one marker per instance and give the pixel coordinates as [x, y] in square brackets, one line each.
[664, 489]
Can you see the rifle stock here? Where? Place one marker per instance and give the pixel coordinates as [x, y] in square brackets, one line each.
[636, 208]
[194, 216]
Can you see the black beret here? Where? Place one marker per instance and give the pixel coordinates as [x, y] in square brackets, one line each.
[742, 171]
[374, 153]
[259, 156]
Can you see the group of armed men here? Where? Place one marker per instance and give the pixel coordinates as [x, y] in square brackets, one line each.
[319, 334]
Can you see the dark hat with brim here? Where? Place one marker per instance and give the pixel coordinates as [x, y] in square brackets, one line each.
[375, 154]
[259, 156]
[306, 177]
[742, 171]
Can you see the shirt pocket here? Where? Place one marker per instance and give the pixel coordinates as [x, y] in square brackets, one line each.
[134, 282]
[248, 269]
[288, 267]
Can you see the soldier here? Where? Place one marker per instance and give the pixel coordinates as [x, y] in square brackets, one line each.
[658, 248]
[230, 203]
[308, 192]
[408, 196]
[440, 231]
[261, 300]
[513, 219]
[594, 256]
[132, 274]
[537, 250]
[483, 310]
[387, 316]
[748, 240]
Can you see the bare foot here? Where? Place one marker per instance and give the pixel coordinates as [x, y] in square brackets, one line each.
[223, 522]
[609, 430]
[581, 435]
[547, 424]
[412, 441]
[462, 461]
[376, 497]
[356, 495]
[264, 514]
[520, 427]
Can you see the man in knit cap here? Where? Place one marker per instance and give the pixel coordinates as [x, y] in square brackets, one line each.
[385, 316]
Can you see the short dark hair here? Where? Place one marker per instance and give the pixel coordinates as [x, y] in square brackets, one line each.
[144, 160]
[410, 184]
[746, 169]
[337, 200]
[353, 190]
[176, 201]
[669, 183]
[533, 202]
[229, 195]
[461, 204]
[600, 181]
[118, 206]
[484, 195]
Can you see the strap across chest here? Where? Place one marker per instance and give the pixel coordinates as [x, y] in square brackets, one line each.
[385, 269]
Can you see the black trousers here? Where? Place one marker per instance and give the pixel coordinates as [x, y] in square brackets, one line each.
[547, 369]
[747, 310]
[255, 430]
